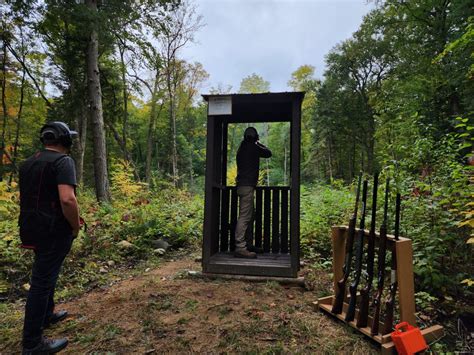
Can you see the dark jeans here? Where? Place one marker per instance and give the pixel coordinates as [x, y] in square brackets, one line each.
[40, 301]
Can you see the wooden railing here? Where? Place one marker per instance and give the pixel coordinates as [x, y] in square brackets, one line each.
[270, 226]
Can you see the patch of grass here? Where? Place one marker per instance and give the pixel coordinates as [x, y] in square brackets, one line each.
[277, 348]
[160, 302]
[85, 338]
[10, 326]
[183, 320]
[224, 311]
[272, 285]
[154, 327]
[191, 305]
[230, 340]
[111, 331]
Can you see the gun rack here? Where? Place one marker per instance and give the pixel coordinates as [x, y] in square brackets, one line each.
[406, 288]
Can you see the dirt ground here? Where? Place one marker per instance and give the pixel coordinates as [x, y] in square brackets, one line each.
[165, 310]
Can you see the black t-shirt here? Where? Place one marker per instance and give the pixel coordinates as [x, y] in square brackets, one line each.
[65, 171]
[248, 162]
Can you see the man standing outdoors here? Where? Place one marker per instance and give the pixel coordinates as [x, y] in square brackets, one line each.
[49, 221]
[248, 164]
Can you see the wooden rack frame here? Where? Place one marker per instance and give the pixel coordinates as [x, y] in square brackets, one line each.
[406, 287]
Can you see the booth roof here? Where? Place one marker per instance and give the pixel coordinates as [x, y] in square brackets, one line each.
[262, 107]
[261, 96]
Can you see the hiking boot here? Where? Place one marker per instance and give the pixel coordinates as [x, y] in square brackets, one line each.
[55, 318]
[244, 253]
[46, 346]
[255, 249]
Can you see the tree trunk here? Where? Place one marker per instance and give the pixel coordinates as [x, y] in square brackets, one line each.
[125, 103]
[4, 107]
[172, 115]
[191, 170]
[18, 125]
[330, 158]
[151, 132]
[80, 121]
[96, 114]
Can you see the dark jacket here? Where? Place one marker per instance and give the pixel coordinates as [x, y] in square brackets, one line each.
[248, 162]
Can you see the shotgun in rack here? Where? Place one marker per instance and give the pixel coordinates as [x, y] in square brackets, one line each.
[359, 255]
[390, 303]
[363, 316]
[341, 284]
[374, 330]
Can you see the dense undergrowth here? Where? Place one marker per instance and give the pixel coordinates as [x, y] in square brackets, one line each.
[118, 235]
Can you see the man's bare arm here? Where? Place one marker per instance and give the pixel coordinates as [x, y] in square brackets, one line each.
[69, 206]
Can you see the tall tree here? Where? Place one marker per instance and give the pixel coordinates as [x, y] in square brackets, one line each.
[5, 39]
[95, 104]
[176, 33]
[254, 84]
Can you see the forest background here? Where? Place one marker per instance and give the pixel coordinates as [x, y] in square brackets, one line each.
[396, 97]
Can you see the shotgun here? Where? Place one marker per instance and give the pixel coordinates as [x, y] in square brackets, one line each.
[374, 330]
[359, 254]
[365, 292]
[341, 284]
[390, 303]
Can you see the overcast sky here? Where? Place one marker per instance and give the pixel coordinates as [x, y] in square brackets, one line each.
[271, 38]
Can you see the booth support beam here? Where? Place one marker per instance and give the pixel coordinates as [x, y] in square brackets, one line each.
[295, 186]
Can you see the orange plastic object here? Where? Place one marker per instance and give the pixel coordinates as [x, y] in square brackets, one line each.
[408, 339]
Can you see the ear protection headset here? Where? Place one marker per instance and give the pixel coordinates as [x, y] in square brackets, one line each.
[251, 134]
[57, 132]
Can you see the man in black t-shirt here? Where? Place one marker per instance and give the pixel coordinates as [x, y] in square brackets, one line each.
[49, 221]
[248, 165]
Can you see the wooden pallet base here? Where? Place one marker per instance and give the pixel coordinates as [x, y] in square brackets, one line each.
[387, 346]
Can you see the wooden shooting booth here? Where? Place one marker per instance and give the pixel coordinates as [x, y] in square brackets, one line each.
[277, 208]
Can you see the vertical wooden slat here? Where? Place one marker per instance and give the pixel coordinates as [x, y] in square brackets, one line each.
[224, 245]
[233, 217]
[216, 191]
[258, 217]
[266, 220]
[284, 221]
[276, 221]
[215, 226]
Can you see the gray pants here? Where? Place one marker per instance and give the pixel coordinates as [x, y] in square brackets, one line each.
[244, 227]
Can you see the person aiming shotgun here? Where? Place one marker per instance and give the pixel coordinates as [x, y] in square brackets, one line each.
[248, 165]
[49, 221]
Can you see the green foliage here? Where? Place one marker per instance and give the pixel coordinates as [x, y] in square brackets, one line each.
[254, 84]
[322, 206]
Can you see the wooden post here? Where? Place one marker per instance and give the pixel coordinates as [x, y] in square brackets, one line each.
[338, 251]
[295, 129]
[208, 215]
[406, 288]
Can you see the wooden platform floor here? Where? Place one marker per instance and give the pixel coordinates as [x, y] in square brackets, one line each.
[266, 259]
